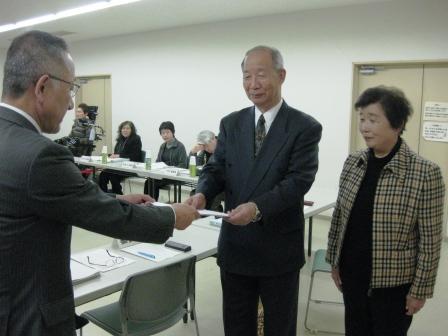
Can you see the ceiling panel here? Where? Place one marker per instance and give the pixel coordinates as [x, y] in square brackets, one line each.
[147, 15]
[16, 10]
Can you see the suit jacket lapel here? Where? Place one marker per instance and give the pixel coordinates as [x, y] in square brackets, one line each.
[245, 144]
[272, 143]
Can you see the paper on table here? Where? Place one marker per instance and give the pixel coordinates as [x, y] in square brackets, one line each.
[102, 260]
[206, 213]
[160, 204]
[98, 158]
[81, 272]
[158, 165]
[153, 252]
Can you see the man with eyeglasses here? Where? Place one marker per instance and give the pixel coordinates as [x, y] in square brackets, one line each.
[42, 193]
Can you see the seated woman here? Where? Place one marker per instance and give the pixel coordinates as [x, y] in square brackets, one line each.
[129, 146]
[172, 152]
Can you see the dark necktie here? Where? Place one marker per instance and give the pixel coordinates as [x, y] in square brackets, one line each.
[260, 133]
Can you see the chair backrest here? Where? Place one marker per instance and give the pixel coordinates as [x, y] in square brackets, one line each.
[143, 156]
[159, 295]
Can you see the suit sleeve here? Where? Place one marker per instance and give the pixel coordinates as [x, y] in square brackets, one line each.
[211, 181]
[58, 193]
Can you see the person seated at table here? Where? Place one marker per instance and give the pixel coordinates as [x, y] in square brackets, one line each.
[172, 152]
[83, 130]
[129, 146]
[204, 148]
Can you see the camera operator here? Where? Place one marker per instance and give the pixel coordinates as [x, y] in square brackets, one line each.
[83, 129]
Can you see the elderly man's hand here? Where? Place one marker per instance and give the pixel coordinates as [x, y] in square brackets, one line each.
[197, 201]
[243, 214]
[197, 148]
[137, 199]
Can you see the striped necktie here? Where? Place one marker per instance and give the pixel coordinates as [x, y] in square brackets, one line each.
[260, 133]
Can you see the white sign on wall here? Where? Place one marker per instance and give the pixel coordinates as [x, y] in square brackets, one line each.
[436, 111]
[435, 131]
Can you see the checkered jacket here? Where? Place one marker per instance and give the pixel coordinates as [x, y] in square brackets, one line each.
[407, 220]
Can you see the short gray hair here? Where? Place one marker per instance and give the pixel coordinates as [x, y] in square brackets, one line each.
[205, 137]
[29, 56]
[277, 58]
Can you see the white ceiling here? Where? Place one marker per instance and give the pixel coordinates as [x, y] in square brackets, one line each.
[147, 15]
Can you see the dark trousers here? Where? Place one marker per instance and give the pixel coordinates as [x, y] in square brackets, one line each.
[383, 313]
[115, 180]
[278, 294]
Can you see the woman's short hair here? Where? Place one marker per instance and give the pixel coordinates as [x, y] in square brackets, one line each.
[166, 125]
[84, 107]
[126, 123]
[205, 137]
[396, 106]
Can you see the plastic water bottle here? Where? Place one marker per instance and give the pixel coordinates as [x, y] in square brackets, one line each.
[104, 155]
[192, 166]
[148, 160]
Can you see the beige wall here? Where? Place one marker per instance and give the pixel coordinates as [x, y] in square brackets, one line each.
[191, 75]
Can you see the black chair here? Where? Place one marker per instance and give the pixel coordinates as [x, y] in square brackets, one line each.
[80, 322]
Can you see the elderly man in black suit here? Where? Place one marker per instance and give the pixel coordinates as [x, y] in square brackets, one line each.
[43, 194]
[265, 161]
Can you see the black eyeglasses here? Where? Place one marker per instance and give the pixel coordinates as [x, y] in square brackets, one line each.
[73, 86]
[108, 262]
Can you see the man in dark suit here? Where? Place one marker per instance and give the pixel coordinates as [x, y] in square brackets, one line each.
[42, 194]
[265, 161]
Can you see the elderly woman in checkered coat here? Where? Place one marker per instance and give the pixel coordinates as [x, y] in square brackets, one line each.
[385, 236]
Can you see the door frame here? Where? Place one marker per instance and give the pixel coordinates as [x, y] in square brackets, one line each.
[108, 138]
[356, 66]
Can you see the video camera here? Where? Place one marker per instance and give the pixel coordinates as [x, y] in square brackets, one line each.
[92, 112]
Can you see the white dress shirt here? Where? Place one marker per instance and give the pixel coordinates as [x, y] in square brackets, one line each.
[23, 114]
[269, 115]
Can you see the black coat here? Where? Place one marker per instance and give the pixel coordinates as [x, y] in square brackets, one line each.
[129, 148]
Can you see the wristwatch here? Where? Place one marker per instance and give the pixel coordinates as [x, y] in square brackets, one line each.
[258, 214]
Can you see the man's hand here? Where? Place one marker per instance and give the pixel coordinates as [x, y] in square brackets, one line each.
[413, 305]
[197, 148]
[137, 199]
[114, 156]
[243, 214]
[197, 201]
[336, 278]
[185, 214]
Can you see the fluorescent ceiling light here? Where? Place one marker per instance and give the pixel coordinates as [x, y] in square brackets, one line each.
[66, 13]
